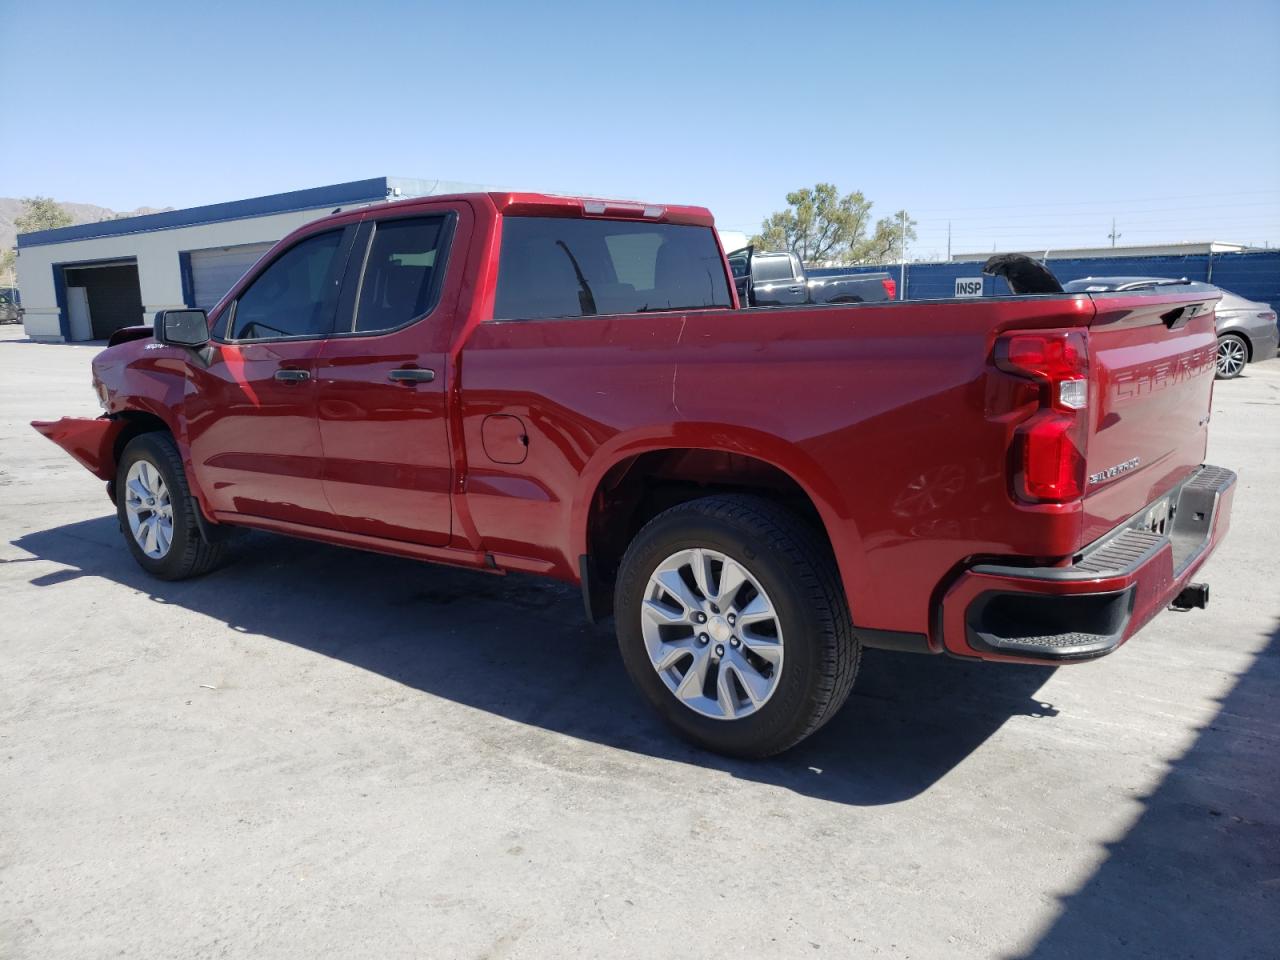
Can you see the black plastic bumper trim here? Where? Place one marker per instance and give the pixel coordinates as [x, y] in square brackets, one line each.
[899, 640]
[1055, 628]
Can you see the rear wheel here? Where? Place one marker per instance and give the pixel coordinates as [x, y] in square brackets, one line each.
[157, 512]
[1233, 354]
[732, 622]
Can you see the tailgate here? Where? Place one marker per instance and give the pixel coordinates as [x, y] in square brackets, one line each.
[1151, 359]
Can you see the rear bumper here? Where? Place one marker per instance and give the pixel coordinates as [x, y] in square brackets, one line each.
[1263, 344]
[1107, 594]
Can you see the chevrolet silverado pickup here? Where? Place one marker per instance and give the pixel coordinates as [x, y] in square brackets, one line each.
[779, 280]
[570, 387]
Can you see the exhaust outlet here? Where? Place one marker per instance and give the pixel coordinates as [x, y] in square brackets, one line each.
[1194, 596]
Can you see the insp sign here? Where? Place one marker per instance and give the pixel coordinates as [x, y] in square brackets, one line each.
[968, 286]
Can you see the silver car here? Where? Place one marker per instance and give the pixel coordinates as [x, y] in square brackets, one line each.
[1247, 329]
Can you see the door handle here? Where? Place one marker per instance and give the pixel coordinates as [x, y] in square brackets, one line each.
[292, 376]
[411, 375]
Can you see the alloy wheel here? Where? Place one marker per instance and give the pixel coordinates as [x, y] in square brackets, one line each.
[1231, 357]
[149, 509]
[712, 634]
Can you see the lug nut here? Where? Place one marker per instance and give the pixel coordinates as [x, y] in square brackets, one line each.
[700, 617]
[703, 638]
[734, 642]
[732, 619]
[719, 649]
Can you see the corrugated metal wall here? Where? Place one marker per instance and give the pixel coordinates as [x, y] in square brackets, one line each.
[1252, 275]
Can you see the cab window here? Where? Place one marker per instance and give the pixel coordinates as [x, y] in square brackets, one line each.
[294, 296]
[567, 267]
[401, 273]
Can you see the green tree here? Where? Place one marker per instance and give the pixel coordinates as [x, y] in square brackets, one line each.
[41, 213]
[9, 267]
[885, 245]
[819, 225]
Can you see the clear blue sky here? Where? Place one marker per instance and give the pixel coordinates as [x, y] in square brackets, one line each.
[1020, 123]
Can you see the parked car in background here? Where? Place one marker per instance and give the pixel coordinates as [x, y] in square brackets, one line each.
[779, 280]
[1246, 329]
[8, 306]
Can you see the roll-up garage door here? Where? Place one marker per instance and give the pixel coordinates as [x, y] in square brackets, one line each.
[214, 271]
[112, 295]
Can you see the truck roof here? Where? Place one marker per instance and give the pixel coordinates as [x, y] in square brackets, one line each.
[521, 204]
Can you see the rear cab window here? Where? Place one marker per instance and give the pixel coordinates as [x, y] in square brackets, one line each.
[399, 279]
[773, 268]
[552, 267]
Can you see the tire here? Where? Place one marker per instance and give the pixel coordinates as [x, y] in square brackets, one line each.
[789, 569]
[186, 553]
[1233, 354]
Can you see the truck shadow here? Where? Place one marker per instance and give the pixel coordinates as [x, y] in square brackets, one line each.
[1196, 874]
[520, 648]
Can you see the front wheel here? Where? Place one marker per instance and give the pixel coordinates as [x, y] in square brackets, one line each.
[733, 624]
[157, 511]
[1233, 354]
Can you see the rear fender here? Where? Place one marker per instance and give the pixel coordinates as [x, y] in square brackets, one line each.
[822, 489]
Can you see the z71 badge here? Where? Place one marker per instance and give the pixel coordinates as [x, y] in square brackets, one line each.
[1102, 476]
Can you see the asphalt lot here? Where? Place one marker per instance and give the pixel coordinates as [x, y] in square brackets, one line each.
[315, 752]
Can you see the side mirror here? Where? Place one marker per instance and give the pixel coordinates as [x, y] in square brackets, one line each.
[182, 328]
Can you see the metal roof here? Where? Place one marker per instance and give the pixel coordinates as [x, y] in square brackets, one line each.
[334, 195]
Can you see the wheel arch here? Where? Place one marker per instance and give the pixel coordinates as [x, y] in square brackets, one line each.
[144, 415]
[1241, 334]
[634, 478]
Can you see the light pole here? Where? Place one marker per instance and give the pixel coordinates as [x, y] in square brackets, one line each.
[902, 267]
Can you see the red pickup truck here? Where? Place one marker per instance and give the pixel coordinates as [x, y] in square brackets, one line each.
[511, 381]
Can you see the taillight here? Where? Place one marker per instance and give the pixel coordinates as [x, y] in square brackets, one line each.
[890, 287]
[1049, 448]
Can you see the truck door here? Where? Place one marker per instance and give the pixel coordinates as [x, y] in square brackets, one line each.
[381, 381]
[776, 281]
[251, 407]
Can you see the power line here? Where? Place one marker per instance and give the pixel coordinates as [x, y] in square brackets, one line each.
[1107, 203]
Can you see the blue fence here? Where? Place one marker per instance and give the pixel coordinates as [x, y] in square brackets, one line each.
[1255, 276]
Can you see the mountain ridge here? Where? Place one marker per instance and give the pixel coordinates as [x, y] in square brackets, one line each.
[11, 208]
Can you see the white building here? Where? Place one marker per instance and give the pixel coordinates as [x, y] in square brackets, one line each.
[1132, 250]
[86, 281]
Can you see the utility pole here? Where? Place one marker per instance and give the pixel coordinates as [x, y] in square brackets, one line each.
[1113, 235]
[948, 240]
[902, 272]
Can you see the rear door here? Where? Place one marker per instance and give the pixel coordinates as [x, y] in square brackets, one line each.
[1151, 358]
[382, 379]
[776, 281]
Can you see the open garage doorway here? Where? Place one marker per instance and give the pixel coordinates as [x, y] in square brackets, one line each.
[101, 298]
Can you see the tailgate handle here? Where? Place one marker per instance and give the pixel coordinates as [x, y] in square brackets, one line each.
[1179, 316]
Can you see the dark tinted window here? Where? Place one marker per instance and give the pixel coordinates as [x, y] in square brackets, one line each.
[400, 272]
[739, 263]
[772, 268]
[294, 296]
[560, 267]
